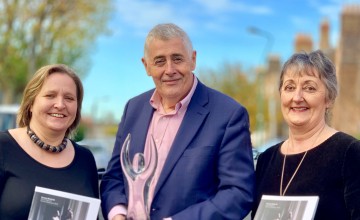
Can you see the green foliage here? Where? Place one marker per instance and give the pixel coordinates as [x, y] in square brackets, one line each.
[111, 130]
[80, 132]
[37, 33]
[231, 80]
[357, 136]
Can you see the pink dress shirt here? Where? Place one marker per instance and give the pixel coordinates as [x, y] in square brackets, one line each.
[163, 127]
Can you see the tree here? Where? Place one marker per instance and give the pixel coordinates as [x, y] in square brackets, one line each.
[232, 81]
[39, 32]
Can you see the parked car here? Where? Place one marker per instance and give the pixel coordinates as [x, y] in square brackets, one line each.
[8, 115]
[268, 144]
[255, 153]
[259, 149]
[100, 149]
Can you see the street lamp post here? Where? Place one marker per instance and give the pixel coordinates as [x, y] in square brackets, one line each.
[260, 96]
[269, 39]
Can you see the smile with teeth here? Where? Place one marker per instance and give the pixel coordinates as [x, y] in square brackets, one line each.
[299, 108]
[57, 115]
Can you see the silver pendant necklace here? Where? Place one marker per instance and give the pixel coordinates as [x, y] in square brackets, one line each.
[282, 193]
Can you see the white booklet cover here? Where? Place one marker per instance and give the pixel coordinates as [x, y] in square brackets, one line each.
[286, 207]
[49, 204]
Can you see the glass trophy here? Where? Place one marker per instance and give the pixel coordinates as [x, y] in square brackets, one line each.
[139, 174]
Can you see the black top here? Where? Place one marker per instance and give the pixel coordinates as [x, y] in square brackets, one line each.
[330, 170]
[20, 173]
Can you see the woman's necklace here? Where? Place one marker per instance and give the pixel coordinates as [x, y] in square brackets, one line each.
[282, 193]
[42, 145]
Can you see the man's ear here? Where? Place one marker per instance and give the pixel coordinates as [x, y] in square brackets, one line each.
[193, 59]
[145, 65]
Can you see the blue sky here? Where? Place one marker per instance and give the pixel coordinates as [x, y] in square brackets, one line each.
[219, 33]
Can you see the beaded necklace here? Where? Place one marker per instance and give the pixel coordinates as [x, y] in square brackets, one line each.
[42, 145]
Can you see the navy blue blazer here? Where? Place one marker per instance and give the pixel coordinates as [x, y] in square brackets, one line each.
[209, 171]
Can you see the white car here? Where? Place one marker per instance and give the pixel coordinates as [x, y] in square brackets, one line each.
[8, 115]
[101, 149]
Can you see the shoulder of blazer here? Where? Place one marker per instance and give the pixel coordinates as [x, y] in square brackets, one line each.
[203, 94]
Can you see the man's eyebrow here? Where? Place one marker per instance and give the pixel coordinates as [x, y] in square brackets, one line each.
[158, 57]
[177, 55]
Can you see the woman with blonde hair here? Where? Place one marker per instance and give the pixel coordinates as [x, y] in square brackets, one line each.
[39, 152]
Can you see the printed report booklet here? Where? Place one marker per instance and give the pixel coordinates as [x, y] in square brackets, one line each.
[286, 207]
[49, 204]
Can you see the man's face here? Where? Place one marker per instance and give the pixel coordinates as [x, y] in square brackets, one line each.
[170, 65]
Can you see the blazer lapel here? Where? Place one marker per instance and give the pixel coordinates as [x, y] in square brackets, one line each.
[193, 119]
[138, 137]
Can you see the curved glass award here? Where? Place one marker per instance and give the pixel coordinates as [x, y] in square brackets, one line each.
[139, 174]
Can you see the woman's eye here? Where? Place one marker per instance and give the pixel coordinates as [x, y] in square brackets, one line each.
[289, 88]
[70, 98]
[49, 95]
[310, 89]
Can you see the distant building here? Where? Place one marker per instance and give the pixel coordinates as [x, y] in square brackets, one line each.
[324, 43]
[346, 112]
[272, 95]
[303, 42]
[324, 35]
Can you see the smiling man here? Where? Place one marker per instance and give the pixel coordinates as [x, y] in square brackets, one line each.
[204, 168]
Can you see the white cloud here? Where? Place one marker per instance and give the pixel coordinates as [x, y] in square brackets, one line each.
[331, 12]
[330, 9]
[143, 14]
[224, 6]
[300, 22]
